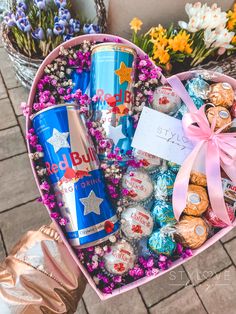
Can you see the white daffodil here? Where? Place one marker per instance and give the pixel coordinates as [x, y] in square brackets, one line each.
[218, 38]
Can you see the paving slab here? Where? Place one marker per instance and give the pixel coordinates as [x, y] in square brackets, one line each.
[3, 92]
[207, 264]
[21, 120]
[16, 222]
[185, 301]
[218, 293]
[11, 142]
[17, 96]
[6, 67]
[7, 117]
[81, 308]
[17, 182]
[231, 249]
[2, 251]
[126, 303]
[229, 236]
[161, 287]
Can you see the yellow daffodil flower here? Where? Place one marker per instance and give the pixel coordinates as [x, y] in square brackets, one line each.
[136, 24]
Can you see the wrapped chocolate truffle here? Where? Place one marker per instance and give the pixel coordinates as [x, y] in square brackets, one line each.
[138, 184]
[191, 231]
[197, 200]
[120, 258]
[198, 178]
[216, 222]
[162, 213]
[166, 100]
[136, 222]
[160, 242]
[198, 90]
[164, 183]
[149, 161]
[222, 115]
[173, 166]
[221, 94]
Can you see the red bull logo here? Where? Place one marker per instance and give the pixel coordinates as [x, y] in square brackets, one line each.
[76, 159]
[124, 96]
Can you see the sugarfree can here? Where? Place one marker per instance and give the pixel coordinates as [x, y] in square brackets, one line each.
[73, 168]
[112, 74]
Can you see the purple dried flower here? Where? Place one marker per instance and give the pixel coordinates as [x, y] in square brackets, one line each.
[54, 215]
[107, 290]
[117, 279]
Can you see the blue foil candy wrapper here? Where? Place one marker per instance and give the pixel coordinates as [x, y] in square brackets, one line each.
[161, 243]
[111, 81]
[173, 166]
[164, 183]
[198, 90]
[162, 213]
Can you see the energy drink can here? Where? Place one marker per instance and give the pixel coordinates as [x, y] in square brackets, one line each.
[112, 75]
[73, 168]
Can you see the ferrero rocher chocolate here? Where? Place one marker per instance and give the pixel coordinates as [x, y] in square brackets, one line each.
[198, 178]
[136, 222]
[216, 222]
[191, 231]
[120, 258]
[222, 116]
[221, 94]
[197, 200]
[138, 183]
[166, 100]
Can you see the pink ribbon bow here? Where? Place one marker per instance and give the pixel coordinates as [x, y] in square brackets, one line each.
[219, 149]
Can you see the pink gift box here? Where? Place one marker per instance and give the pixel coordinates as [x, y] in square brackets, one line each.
[217, 77]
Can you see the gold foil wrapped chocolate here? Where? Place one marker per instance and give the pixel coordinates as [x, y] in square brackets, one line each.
[191, 231]
[221, 94]
[222, 116]
[198, 178]
[197, 200]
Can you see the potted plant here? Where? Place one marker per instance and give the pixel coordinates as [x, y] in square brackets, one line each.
[32, 29]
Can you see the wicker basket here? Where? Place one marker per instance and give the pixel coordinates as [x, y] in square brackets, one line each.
[26, 67]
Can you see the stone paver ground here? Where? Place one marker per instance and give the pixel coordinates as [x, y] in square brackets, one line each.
[206, 284]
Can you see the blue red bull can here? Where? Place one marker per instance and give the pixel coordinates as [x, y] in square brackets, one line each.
[112, 74]
[80, 80]
[73, 168]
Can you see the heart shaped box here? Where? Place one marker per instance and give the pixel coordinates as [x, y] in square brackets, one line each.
[218, 77]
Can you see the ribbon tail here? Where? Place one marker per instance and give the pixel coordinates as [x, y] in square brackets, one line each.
[182, 181]
[214, 184]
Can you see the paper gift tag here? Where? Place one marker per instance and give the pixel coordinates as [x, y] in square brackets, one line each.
[162, 135]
